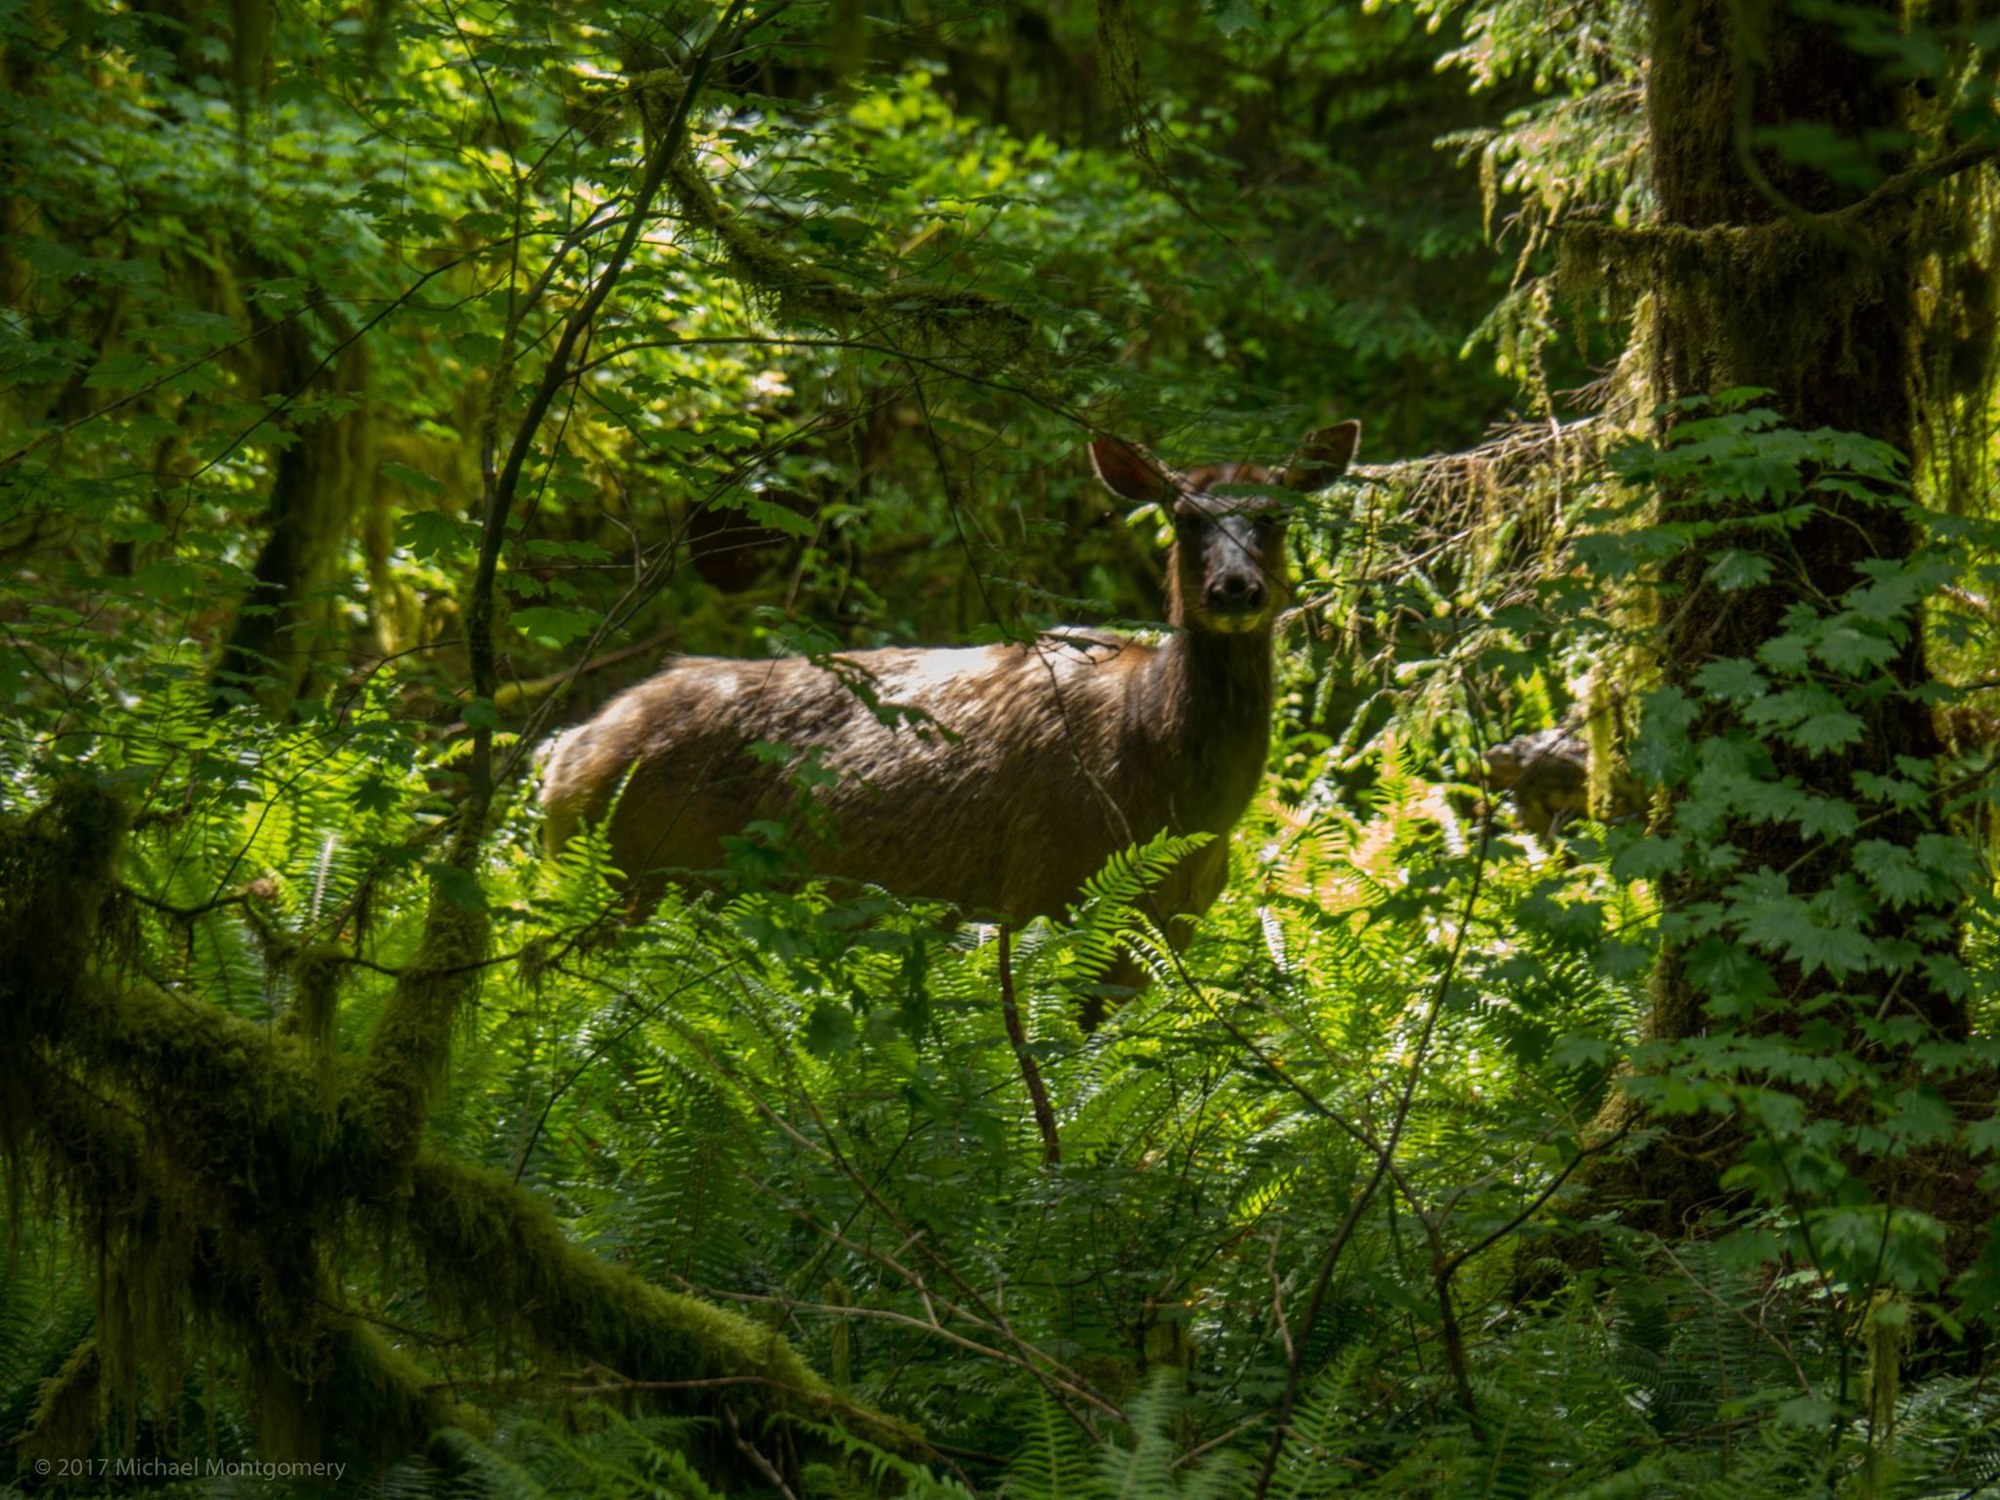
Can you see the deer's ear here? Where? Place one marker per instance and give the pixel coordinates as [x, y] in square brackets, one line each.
[1323, 457]
[1129, 472]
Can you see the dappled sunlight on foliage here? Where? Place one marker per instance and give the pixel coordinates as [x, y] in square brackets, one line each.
[1584, 1081]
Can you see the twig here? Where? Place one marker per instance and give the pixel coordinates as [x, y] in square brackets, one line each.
[555, 375]
[514, 693]
[762, 1464]
[1031, 1074]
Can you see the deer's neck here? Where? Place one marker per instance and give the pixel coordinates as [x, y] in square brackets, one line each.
[1214, 699]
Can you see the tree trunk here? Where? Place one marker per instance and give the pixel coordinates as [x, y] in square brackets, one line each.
[1758, 278]
[289, 618]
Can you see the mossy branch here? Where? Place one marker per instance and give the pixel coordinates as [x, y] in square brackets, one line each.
[389, 1103]
[213, 1165]
[492, 1250]
[250, 1107]
[961, 322]
[319, 1374]
[69, 1411]
[248, 1115]
[1787, 246]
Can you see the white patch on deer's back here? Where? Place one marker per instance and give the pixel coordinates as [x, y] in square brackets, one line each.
[911, 676]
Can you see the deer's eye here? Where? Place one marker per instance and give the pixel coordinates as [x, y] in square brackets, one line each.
[1190, 523]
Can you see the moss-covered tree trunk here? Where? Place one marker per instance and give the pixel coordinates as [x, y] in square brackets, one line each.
[1767, 272]
[288, 618]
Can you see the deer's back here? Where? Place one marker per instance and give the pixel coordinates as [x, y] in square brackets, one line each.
[1018, 773]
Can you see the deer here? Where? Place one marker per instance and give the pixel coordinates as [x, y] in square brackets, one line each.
[997, 778]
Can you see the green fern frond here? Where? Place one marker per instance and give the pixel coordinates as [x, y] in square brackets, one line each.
[1053, 1462]
[888, 1472]
[477, 1472]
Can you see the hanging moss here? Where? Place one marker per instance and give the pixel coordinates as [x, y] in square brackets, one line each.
[1124, 80]
[210, 1166]
[1718, 272]
[200, 1139]
[353, 1393]
[384, 1113]
[56, 869]
[143, 1255]
[69, 1412]
[1958, 346]
[317, 972]
[171, 1253]
[147, 1250]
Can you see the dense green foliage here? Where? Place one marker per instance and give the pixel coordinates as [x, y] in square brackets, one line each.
[380, 389]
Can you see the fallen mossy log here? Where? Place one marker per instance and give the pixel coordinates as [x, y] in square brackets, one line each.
[218, 1169]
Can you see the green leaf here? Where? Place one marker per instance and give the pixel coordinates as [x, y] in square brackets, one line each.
[1825, 817]
[1920, 1117]
[830, 1029]
[1647, 858]
[551, 625]
[780, 518]
[435, 535]
[1732, 677]
[1737, 569]
[170, 578]
[376, 795]
[1232, 16]
[1982, 1137]
[1851, 650]
[1729, 975]
[1828, 731]
[415, 479]
[1788, 653]
[1893, 870]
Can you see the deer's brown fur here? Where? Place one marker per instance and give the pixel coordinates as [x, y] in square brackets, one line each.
[1028, 766]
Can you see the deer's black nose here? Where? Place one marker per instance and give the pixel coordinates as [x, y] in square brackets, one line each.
[1237, 593]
